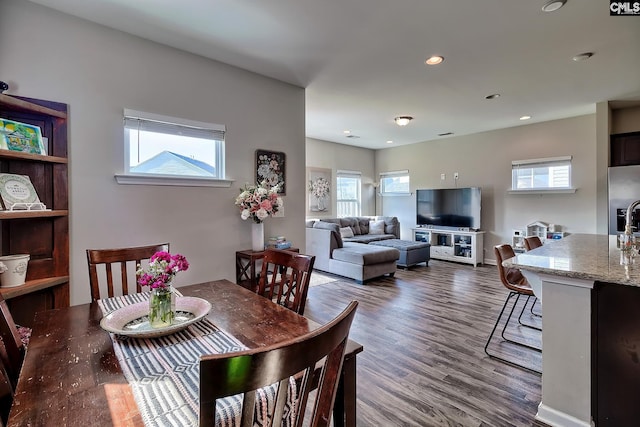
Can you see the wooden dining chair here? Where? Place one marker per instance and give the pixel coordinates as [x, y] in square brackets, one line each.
[518, 286]
[532, 242]
[228, 374]
[122, 259]
[12, 348]
[285, 277]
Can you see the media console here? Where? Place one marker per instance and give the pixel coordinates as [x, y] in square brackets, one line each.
[453, 245]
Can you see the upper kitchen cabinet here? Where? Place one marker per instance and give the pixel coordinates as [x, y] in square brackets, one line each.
[625, 149]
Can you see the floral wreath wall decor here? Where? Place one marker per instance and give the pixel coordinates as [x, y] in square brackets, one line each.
[270, 167]
[319, 190]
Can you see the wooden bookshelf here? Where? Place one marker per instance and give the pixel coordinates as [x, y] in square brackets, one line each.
[44, 235]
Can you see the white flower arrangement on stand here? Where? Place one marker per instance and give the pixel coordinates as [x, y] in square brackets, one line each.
[258, 202]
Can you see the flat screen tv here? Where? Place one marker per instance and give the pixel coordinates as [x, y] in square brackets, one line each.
[449, 207]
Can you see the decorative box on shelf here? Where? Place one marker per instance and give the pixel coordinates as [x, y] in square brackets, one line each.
[279, 242]
[556, 235]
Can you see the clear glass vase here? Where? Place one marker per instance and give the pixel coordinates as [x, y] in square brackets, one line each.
[162, 307]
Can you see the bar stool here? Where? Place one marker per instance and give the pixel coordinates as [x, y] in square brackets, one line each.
[518, 286]
[532, 242]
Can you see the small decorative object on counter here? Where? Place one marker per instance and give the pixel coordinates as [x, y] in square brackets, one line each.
[162, 269]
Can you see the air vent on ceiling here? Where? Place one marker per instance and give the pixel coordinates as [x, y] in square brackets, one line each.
[353, 136]
[445, 134]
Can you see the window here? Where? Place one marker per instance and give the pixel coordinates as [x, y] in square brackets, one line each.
[348, 193]
[541, 174]
[395, 183]
[172, 151]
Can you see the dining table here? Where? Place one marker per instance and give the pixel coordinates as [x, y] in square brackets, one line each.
[71, 375]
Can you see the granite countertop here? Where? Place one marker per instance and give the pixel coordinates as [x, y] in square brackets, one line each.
[582, 256]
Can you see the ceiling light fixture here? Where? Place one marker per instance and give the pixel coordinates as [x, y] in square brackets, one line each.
[553, 5]
[346, 132]
[389, 142]
[525, 117]
[582, 56]
[492, 96]
[434, 60]
[403, 120]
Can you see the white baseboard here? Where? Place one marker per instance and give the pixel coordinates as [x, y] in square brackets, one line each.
[556, 418]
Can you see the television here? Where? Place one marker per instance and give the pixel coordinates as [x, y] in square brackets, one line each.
[452, 208]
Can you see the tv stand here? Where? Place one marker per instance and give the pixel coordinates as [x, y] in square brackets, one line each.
[453, 244]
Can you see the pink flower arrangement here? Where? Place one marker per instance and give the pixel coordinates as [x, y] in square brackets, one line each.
[163, 267]
[258, 202]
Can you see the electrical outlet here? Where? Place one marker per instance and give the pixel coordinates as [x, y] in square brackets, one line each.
[455, 175]
[443, 176]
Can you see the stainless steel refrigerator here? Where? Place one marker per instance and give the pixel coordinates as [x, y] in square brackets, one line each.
[624, 189]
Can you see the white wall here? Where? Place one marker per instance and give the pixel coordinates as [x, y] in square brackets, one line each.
[625, 120]
[484, 160]
[329, 155]
[98, 72]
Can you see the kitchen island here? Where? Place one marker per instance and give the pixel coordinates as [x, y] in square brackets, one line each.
[590, 293]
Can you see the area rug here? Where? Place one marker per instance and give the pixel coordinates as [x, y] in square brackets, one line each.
[318, 278]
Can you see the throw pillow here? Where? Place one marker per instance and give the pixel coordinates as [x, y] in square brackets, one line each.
[376, 227]
[346, 232]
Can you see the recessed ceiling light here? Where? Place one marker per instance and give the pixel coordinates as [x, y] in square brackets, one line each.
[346, 132]
[492, 96]
[403, 120]
[434, 60]
[553, 5]
[389, 142]
[582, 56]
[525, 117]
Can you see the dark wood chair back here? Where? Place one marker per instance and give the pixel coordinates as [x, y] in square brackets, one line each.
[223, 375]
[511, 278]
[118, 258]
[11, 349]
[532, 242]
[285, 278]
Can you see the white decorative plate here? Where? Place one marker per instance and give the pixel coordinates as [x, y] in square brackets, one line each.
[133, 320]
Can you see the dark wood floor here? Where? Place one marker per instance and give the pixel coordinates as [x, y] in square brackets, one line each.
[423, 333]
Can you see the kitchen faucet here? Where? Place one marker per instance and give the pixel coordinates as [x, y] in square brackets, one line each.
[627, 226]
[627, 240]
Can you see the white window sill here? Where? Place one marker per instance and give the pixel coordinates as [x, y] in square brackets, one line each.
[394, 194]
[544, 191]
[131, 179]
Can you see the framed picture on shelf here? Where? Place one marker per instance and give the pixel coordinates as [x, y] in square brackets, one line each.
[270, 167]
[319, 191]
[16, 136]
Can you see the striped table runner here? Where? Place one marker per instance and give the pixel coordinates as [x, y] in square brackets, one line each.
[164, 372]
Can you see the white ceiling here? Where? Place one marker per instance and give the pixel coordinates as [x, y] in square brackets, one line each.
[362, 61]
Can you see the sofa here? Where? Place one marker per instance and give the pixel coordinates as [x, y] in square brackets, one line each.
[350, 256]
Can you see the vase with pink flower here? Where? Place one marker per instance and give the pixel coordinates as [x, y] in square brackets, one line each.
[159, 276]
[258, 202]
